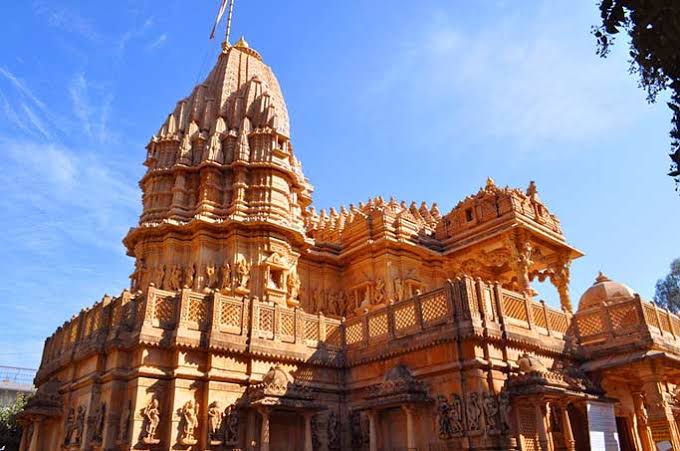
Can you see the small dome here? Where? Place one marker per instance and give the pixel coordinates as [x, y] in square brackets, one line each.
[603, 290]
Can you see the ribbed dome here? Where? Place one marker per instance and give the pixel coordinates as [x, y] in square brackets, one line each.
[603, 290]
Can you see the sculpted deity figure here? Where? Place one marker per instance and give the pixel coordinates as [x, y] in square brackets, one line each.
[490, 412]
[474, 412]
[243, 274]
[332, 431]
[293, 285]
[137, 276]
[79, 427]
[333, 303]
[379, 290]
[342, 303]
[215, 147]
[159, 272]
[314, 301]
[457, 425]
[174, 278]
[444, 418]
[231, 428]
[152, 416]
[505, 408]
[125, 418]
[99, 423]
[399, 289]
[211, 276]
[226, 276]
[190, 421]
[215, 416]
[189, 275]
[184, 151]
[70, 424]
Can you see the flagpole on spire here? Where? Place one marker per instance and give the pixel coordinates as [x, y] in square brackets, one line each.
[231, 10]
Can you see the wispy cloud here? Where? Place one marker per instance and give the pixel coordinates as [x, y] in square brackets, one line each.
[157, 42]
[93, 120]
[22, 108]
[133, 33]
[67, 20]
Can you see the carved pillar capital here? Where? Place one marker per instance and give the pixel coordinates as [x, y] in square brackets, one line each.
[559, 277]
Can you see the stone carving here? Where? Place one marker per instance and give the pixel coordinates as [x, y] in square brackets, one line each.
[214, 147]
[473, 412]
[78, 427]
[398, 289]
[293, 283]
[211, 276]
[333, 307]
[189, 274]
[316, 426]
[356, 432]
[184, 150]
[457, 418]
[333, 432]
[242, 274]
[505, 410]
[225, 276]
[152, 418]
[159, 274]
[379, 291]
[490, 413]
[70, 426]
[174, 276]
[444, 418]
[215, 416]
[231, 425]
[138, 274]
[124, 432]
[98, 432]
[188, 424]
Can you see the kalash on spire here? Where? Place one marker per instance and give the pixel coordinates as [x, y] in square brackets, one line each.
[252, 320]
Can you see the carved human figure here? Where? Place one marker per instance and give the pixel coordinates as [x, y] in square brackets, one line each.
[505, 410]
[138, 274]
[189, 275]
[243, 274]
[184, 151]
[79, 426]
[174, 278]
[490, 412]
[379, 290]
[444, 418]
[342, 303]
[190, 420]
[231, 427]
[215, 416]
[473, 411]
[214, 147]
[70, 424]
[152, 416]
[293, 283]
[457, 420]
[332, 303]
[225, 274]
[125, 418]
[159, 273]
[398, 289]
[314, 301]
[210, 276]
[332, 431]
[99, 423]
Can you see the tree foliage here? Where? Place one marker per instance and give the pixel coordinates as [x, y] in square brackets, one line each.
[654, 30]
[10, 431]
[668, 289]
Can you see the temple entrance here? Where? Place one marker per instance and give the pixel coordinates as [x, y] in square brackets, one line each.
[287, 431]
[392, 430]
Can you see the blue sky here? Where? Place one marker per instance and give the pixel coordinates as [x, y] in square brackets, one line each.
[422, 100]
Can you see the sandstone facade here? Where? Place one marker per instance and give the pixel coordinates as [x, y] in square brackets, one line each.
[254, 322]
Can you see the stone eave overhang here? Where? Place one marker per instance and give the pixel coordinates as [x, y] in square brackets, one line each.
[184, 230]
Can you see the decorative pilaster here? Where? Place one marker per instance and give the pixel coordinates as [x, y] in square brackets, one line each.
[559, 277]
[372, 430]
[308, 432]
[542, 429]
[567, 432]
[410, 427]
[264, 430]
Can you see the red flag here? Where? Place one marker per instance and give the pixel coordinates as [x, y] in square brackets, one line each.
[220, 13]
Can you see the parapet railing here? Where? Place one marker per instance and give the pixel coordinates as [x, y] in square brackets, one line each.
[612, 322]
[228, 322]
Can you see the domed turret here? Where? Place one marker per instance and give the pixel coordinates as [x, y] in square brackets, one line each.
[604, 290]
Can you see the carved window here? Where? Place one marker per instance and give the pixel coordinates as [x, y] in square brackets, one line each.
[468, 214]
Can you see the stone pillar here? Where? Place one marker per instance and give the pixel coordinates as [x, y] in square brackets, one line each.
[410, 428]
[661, 423]
[373, 430]
[308, 432]
[250, 431]
[559, 277]
[567, 433]
[542, 429]
[264, 430]
[35, 437]
[643, 431]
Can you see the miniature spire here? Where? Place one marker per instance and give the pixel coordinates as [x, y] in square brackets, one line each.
[490, 183]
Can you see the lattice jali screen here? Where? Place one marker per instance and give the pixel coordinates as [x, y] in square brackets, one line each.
[197, 312]
[405, 316]
[333, 334]
[527, 428]
[164, 311]
[665, 322]
[354, 333]
[230, 315]
[558, 321]
[624, 317]
[515, 308]
[650, 315]
[266, 320]
[590, 324]
[287, 322]
[311, 329]
[377, 325]
[434, 306]
[538, 316]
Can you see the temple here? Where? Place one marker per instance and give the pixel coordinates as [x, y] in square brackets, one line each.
[254, 322]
